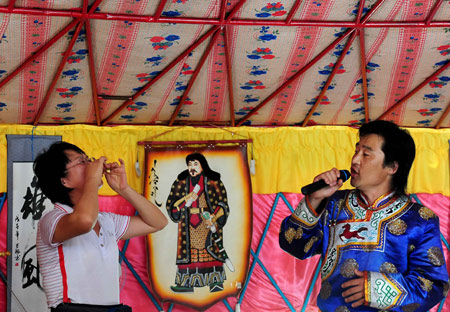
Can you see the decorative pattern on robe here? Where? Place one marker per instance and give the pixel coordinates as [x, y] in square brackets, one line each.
[396, 242]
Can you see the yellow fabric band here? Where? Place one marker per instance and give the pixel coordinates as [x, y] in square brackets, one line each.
[286, 158]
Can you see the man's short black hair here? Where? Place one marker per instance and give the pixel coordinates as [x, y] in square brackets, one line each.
[50, 167]
[398, 146]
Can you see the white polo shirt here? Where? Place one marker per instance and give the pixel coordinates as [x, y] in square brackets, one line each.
[84, 269]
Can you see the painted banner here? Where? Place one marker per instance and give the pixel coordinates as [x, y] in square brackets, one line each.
[202, 256]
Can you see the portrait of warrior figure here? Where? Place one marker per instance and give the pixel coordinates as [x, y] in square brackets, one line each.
[198, 203]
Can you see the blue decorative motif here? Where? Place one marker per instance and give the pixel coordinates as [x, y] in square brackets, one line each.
[258, 70]
[136, 106]
[265, 35]
[64, 107]
[72, 73]
[272, 9]
[155, 60]
[432, 97]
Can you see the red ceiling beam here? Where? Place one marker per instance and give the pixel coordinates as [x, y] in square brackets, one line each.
[362, 47]
[294, 77]
[94, 6]
[444, 115]
[163, 72]
[92, 71]
[293, 11]
[229, 21]
[57, 74]
[11, 4]
[193, 78]
[360, 10]
[310, 64]
[330, 78]
[372, 11]
[223, 10]
[159, 9]
[85, 6]
[38, 53]
[236, 8]
[433, 12]
[317, 58]
[415, 90]
[229, 75]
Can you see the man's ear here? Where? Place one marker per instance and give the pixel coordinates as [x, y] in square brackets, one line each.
[65, 182]
[393, 167]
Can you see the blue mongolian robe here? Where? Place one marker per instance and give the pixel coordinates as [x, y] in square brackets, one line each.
[394, 241]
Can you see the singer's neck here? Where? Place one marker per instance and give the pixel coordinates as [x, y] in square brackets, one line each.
[373, 195]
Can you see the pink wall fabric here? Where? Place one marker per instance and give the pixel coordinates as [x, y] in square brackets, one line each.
[292, 276]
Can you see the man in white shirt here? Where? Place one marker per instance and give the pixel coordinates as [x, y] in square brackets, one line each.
[76, 244]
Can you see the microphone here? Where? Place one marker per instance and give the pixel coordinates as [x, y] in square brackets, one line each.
[313, 187]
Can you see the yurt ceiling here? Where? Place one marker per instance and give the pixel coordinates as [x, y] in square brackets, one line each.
[225, 62]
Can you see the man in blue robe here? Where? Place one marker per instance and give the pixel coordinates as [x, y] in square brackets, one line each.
[380, 251]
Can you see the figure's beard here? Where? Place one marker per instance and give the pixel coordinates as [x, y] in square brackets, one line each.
[192, 172]
[195, 179]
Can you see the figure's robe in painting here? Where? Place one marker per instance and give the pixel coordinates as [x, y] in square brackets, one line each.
[200, 252]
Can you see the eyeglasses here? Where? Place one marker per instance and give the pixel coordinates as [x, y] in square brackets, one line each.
[81, 160]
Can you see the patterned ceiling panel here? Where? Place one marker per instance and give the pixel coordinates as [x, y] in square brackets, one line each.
[225, 62]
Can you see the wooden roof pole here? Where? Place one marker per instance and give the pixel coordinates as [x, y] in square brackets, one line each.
[330, 78]
[193, 78]
[92, 75]
[57, 74]
[38, 53]
[415, 90]
[161, 74]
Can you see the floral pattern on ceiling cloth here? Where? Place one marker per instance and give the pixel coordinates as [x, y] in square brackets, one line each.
[303, 49]
[444, 49]
[163, 43]
[325, 101]
[72, 79]
[121, 39]
[261, 53]
[63, 119]
[271, 9]
[72, 74]
[177, 100]
[439, 82]
[136, 106]
[32, 78]
[216, 90]
[65, 107]
[127, 118]
[155, 60]
[260, 61]
[353, 10]
[326, 71]
[180, 87]
[429, 112]
[409, 51]
[438, 95]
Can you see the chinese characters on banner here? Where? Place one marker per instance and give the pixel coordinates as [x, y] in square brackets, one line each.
[28, 206]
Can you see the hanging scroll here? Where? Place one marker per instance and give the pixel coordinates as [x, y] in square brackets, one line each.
[26, 205]
[202, 256]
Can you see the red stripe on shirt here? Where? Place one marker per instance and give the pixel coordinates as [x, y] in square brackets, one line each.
[63, 273]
